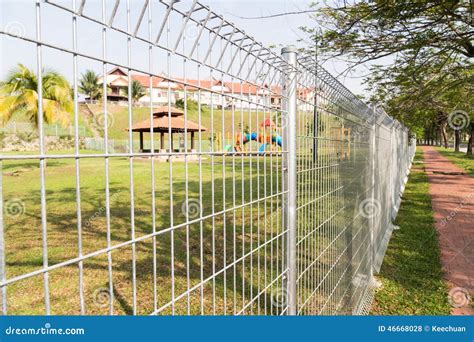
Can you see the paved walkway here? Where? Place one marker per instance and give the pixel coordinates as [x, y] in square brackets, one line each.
[452, 193]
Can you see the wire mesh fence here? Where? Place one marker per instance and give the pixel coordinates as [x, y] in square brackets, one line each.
[277, 200]
[54, 130]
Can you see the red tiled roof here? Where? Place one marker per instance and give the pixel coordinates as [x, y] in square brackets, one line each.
[160, 124]
[206, 84]
[244, 88]
[193, 84]
[276, 90]
[117, 71]
[145, 80]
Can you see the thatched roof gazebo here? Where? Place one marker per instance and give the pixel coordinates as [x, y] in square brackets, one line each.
[163, 118]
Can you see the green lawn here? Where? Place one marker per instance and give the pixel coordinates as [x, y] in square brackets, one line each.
[460, 159]
[411, 274]
[254, 223]
[249, 180]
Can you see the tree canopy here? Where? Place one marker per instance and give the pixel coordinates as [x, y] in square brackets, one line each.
[429, 45]
[89, 85]
[18, 94]
[137, 90]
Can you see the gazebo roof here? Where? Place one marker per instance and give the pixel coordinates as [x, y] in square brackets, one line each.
[165, 110]
[162, 122]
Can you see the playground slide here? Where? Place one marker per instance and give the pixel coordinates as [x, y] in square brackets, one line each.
[275, 139]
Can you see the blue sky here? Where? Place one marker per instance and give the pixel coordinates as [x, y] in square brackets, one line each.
[19, 16]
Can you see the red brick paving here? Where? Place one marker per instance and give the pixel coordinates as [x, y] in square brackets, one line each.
[453, 205]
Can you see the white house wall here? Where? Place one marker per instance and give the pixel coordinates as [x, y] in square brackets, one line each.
[214, 99]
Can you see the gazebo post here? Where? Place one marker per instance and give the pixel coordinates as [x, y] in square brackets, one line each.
[162, 123]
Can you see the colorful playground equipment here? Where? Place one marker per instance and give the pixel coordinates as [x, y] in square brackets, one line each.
[267, 139]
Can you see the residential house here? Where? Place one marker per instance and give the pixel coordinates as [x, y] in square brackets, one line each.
[117, 84]
[216, 97]
[248, 96]
[213, 93]
[162, 90]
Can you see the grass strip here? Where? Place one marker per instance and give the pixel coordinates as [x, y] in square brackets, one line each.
[411, 274]
[460, 159]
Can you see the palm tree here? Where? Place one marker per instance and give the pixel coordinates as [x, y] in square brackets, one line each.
[18, 94]
[89, 85]
[137, 91]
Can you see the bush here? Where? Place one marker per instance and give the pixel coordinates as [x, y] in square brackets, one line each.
[191, 105]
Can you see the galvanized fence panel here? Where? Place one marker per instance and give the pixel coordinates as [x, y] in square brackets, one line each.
[334, 187]
[292, 222]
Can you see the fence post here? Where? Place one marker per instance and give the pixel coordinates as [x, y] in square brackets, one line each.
[373, 167]
[289, 170]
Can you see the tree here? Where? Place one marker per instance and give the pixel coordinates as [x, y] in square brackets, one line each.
[18, 94]
[366, 31]
[137, 91]
[470, 144]
[89, 85]
[191, 105]
[426, 100]
[430, 44]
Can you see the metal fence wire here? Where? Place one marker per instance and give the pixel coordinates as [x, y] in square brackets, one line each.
[292, 217]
